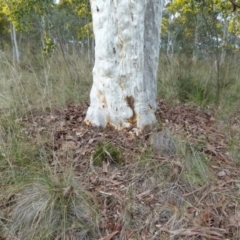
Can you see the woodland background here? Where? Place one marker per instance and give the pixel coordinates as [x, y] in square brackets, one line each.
[60, 179]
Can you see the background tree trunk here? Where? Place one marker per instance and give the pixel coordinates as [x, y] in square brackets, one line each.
[195, 49]
[15, 50]
[225, 41]
[127, 37]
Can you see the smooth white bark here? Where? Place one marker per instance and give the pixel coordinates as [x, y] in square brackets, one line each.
[43, 27]
[15, 50]
[225, 41]
[127, 41]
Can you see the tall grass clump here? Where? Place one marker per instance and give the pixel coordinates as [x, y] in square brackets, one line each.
[37, 83]
[19, 156]
[53, 206]
[196, 82]
[106, 152]
[35, 201]
[196, 167]
[42, 82]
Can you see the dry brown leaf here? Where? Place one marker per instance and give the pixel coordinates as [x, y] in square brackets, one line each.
[211, 149]
[105, 166]
[234, 221]
[110, 236]
[210, 233]
[67, 191]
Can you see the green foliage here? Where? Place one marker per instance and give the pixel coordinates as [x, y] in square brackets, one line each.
[106, 153]
[191, 89]
[48, 21]
[187, 81]
[21, 13]
[85, 31]
[197, 170]
[82, 10]
[48, 45]
[194, 26]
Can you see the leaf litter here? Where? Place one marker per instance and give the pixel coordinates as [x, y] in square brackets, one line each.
[146, 196]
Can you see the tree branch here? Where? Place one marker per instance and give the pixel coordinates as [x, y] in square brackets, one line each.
[235, 5]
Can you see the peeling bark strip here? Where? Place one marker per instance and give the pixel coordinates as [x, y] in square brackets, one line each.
[126, 61]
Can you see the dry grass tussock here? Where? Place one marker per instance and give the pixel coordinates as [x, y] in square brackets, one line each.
[40, 82]
[63, 180]
[52, 206]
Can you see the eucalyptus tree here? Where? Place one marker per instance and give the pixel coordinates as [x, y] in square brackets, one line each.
[205, 25]
[127, 37]
[192, 25]
[81, 10]
[22, 16]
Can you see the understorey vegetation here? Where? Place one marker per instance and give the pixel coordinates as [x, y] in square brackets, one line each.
[62, 179]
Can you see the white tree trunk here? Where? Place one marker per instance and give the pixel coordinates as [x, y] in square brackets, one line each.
[15, 50]
[195, 48]
[127, 38]
[43, 27]
[225, 41]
